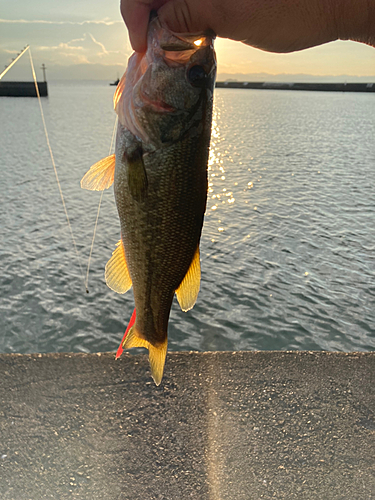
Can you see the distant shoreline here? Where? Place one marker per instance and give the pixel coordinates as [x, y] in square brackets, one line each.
[321, 87]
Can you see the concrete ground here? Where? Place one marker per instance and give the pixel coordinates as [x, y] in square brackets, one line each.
[222, 426]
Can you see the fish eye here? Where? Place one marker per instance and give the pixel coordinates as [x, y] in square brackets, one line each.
[197, 75]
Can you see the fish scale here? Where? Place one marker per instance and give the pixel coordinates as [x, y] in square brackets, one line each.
[161, 234]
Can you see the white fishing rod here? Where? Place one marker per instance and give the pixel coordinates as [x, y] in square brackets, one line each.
[14, 61]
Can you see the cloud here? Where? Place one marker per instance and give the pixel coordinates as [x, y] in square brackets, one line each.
[75, 39]
[84, 50]
[67, 43]
[98, 45]
[11, 51]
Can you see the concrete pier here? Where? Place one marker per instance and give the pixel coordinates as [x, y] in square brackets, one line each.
[221, 426]
[319, 87]
[22, 89]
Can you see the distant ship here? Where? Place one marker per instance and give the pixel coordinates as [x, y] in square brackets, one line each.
[115, 82]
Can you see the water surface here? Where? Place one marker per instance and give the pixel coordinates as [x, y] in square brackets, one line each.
[287, 248]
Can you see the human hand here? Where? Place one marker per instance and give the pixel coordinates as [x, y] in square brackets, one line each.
[272, 25]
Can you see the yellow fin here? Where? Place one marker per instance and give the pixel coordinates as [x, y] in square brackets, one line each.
[119, 90]
[101, 175]
[116, 271]
[188, 290]
[156, 355]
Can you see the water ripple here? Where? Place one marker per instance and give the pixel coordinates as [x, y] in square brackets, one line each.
[287, 248]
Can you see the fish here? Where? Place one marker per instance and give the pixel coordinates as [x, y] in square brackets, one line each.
[159, 171]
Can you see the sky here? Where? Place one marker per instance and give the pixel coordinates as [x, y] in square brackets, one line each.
[82, 39]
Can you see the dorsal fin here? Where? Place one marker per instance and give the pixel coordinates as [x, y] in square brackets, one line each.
[116, 271]
[156, 355]
[101, 174]
[188, 290]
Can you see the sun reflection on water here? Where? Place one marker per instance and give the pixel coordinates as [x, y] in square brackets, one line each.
[218, 191]
[228, 187]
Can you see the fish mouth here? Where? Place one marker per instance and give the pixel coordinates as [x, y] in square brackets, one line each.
[157, 106]
[177, 47]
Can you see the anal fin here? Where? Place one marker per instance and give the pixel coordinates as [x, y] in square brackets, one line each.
[116, 271]
[101, 175]
[188, 290]
[156, 355]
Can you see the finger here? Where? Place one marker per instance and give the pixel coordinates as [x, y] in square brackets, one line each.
[136, 16]
[182, 16]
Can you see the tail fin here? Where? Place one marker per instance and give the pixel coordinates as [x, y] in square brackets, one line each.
[156, 355]
[131, 323]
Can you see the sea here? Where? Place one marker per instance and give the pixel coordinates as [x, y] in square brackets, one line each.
[287, 248]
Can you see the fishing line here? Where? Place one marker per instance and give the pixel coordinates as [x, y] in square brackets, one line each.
[54, 166]
[97, 214]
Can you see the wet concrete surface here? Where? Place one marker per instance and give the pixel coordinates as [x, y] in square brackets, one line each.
[221, 426]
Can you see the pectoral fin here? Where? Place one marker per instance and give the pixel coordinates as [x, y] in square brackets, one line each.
[188, 290]
[156, 355]
[116, 271]
[137, 177]
[101, 175]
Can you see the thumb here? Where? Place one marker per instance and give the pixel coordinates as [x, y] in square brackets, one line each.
[183, 16]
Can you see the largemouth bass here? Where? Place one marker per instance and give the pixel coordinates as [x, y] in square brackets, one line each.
[159, 170]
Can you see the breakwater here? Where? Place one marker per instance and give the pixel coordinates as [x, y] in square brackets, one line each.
[322, 87]
[22, 89]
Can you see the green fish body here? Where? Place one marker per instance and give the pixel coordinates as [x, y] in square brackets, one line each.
[164, 105]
